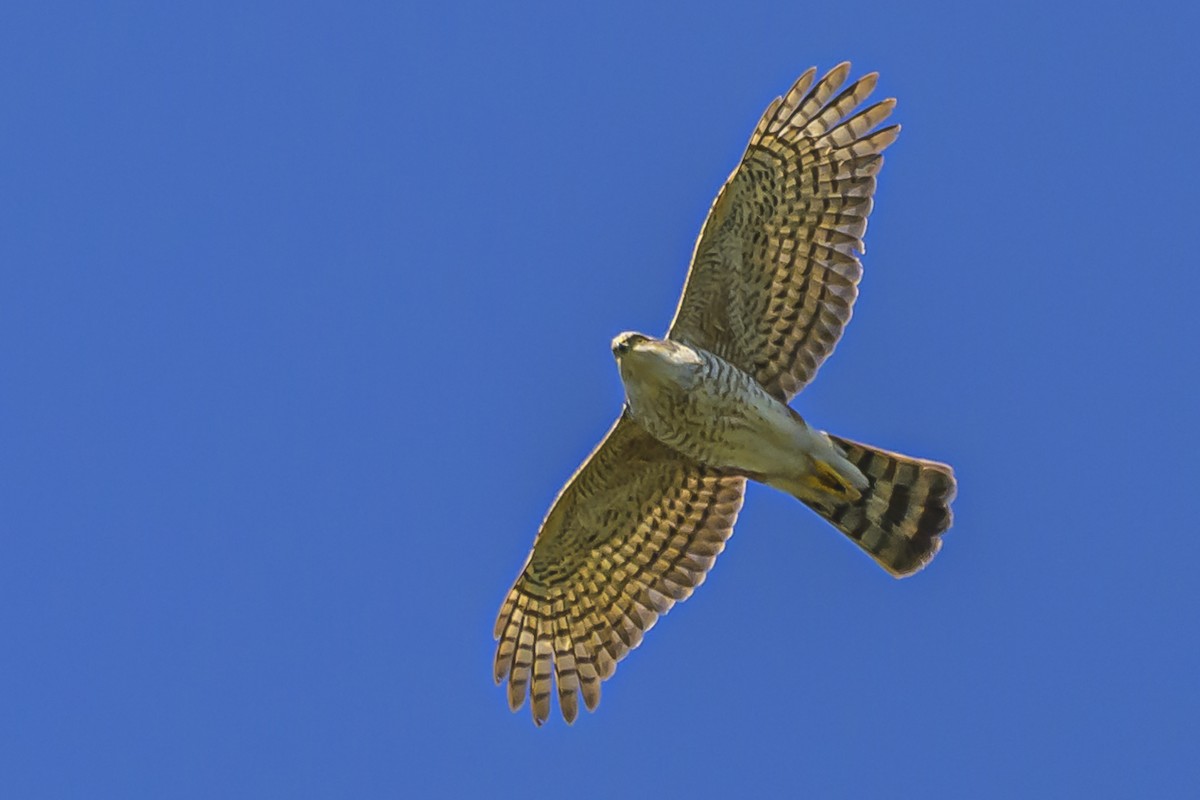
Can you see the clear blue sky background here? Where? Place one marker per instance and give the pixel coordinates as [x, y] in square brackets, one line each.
[304, 319]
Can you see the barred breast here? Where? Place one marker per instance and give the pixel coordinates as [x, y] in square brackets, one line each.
[713, 412]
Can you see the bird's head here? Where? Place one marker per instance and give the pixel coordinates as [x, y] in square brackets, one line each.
[624, 343]
[644, 356]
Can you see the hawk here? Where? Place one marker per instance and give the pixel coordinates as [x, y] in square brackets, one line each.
[772, 281]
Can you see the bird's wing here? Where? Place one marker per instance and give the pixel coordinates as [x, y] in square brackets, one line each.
[775, 270]
[634, 531]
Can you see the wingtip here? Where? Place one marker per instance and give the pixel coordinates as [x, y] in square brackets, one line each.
[591, 694]
[806, 76]
[570, 711]
[516, 696]
[884, 138]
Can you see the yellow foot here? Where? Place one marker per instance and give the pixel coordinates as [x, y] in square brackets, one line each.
[826, 480]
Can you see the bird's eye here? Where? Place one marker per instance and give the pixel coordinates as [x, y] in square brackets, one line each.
[623, 346]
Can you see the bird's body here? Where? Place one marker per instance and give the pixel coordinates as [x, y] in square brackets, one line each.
[773, 278]
[706, 409]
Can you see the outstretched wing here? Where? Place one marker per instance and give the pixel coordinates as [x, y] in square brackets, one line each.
[775, 271]
[634, 531]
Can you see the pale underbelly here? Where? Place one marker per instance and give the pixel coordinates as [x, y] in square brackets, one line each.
[763, 444]
[758, 436]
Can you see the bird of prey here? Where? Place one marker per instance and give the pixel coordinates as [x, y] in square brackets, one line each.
[772, 280]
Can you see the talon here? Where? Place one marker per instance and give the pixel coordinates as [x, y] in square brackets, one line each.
[826, 478]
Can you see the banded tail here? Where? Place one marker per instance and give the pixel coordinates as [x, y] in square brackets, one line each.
[900, 517]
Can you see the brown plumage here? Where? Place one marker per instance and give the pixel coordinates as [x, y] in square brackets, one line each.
[634, 531]
[775, 271]
[774, 276]
[899, 519]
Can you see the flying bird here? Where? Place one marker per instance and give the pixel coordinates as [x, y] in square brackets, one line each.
[772, 281]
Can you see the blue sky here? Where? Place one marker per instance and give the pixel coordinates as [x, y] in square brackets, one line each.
[304, 319]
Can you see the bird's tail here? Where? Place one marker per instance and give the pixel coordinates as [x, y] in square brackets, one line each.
[899, 518]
